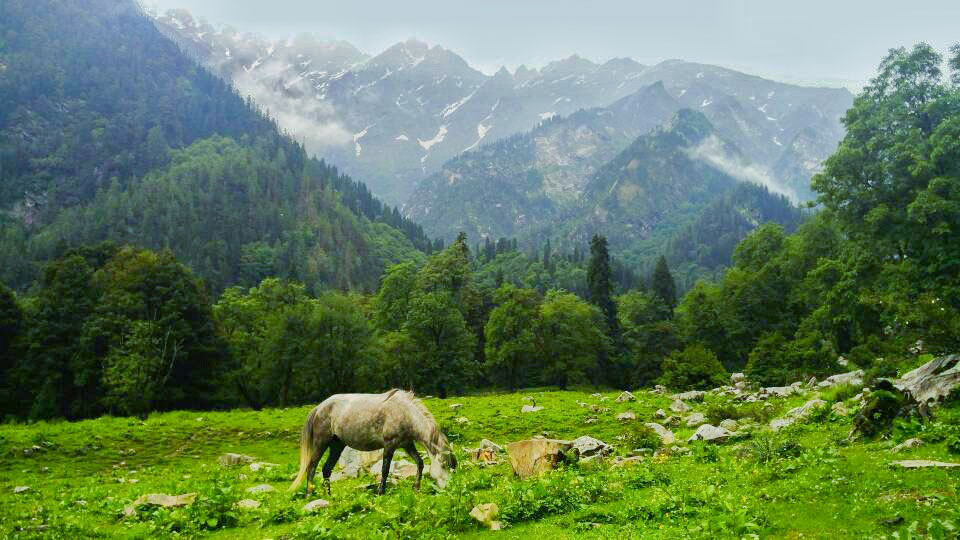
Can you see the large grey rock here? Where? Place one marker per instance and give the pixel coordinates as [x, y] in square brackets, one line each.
[248, 504]
[709, 433]
[660, 414]
[625, 397]
[737, 378]
[536, 456]
[399, 468]
[930, 383]
[729, 424]
[692, 395]
[696, 419]
[679, 407]
[798, 414]
[356, 462]
[587, 446]
[627, 416]
[779, 391]
[852, 377]
[666, 436]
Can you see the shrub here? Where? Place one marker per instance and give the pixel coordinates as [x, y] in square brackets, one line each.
[695, 367]
[840, 392]
[641, 436]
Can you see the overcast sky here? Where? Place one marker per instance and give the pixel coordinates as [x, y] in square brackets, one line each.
[812, 40]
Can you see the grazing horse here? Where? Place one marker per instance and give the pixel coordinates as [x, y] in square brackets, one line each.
[368, 422]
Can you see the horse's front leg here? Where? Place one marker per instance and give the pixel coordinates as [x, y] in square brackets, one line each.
[411, 449]
[385, 470]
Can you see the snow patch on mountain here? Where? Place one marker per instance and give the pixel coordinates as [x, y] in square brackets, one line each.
[438, 138]
[452, 108]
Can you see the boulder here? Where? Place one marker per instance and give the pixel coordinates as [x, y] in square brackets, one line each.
[588, 447]
[487, 444]
[798, 414]
[930, 383]
[659, 389]
[666, 436]
[660, 414]
[729, 424]
[530, 408]
[695, 419]
[625, 397]
[356, 462]
[20, 489]
[907, 445]
[627, 416]
[231, 459]
[399, 468]
[262, 488]
[315, 505]
[922, 464]
[536, 456]
[248, 504]
[486, 514]
[779, 391]
[851, 377]
[737, 377]
[679, 407]
[159, 499]
[692, 395]
[709, 433]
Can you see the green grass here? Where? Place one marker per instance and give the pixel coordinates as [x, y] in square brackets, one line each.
[805, 481]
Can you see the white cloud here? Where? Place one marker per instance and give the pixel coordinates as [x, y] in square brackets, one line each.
[711, 151]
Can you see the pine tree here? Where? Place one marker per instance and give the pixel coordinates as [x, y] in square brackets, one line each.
[662, 283]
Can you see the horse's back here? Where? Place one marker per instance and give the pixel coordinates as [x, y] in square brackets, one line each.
[358, 420]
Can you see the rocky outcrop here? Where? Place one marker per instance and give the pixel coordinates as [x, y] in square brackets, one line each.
[536, 456]
[355, 462]
[709, 433]
[588, 447]
[907, 445]
[853, 377]
[798, 414]
[930, 383]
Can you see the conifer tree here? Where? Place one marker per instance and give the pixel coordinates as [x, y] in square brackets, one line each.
[663, 285]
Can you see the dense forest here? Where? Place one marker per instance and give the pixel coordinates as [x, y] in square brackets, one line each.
[109, 132]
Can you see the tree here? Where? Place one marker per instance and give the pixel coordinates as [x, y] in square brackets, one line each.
[695, 367]
[393, 298]
[648, 333]
[662, 283]
[11, 326]
[600, 282]
[443, 342]
[510, 339]
[570, 337]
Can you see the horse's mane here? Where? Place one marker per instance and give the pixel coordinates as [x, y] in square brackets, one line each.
[437, 440]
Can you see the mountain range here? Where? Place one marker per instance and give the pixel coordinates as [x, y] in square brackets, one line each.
[396, 118]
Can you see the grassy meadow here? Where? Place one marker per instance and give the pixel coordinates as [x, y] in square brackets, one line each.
[806, 481]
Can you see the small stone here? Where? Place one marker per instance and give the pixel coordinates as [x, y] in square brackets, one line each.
[729, 424]
[230, 459]
[660, 414]
[313, 506]
[922, 464]
[258, 465]
[487, 444]
[627, 416]
[262, 488]
[456, 406]
[462, 420]
[486, 514]
[692, 395]
[659, 389]
[625, 397]
[696, 419]
[737, 377]
[907, 445]
[21, 489]
[530, 408]
[248, 504]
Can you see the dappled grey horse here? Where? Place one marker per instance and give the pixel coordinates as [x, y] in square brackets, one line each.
[392, 420]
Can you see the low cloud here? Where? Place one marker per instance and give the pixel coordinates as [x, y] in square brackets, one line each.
[712, 151]
[298, 112]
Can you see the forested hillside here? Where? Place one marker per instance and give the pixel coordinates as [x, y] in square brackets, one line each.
[108, 131]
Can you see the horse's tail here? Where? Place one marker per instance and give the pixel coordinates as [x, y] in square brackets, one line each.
[307, 448]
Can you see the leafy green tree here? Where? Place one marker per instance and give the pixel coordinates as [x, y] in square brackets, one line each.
[695, 367]
[662, 283]
[393, 298]
[570, 334]
[443, 342]
[648, 332]
[511, 346]
[11, 327]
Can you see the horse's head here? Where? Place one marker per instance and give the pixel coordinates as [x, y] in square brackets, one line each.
[442, 460]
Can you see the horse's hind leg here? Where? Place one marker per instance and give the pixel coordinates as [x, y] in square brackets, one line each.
[314, 460]
[411, 450]
[336, 448]
[385, 471]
